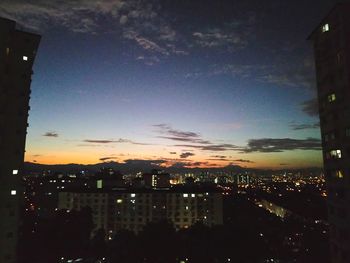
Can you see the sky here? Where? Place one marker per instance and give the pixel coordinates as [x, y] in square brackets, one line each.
[187, 83]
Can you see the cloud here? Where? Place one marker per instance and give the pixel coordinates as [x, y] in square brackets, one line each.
[172, 152]
[310, 107]
[113, 141]
[51, 134]
[268, 145]
[132, 19]
[146, 43]
[283, 164]
[224, 158]
[232, 36]
[298, 127]
[185, 155]
[77, 16]
[178, 135]
[219, 156]
[193, 139]
[211, 147]
[243, 161]
[215, 38]
[108, 158]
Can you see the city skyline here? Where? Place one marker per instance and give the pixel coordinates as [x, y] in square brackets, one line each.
[191, 84]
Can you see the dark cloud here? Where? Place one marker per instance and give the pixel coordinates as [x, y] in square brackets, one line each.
[219, 156]
[99, 141]
[185, 155]
[310, 107]
[297, 127]
[243, 161]
[172, 152]
[283, 164]
[212, 147]
[112, 141]
[269, 145]
[51, 134]
[176, 135]
[107, 158]
[167, 129]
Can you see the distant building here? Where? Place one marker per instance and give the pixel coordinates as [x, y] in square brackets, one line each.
[156, 179]
[17, 53]
[331, 41]
[125, 209]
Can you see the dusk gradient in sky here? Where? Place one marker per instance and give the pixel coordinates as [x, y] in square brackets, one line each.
[193, 83]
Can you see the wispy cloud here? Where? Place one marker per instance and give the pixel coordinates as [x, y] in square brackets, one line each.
[103, 159]
[51, 134]
[98, 141]
[310, 107]
[268, 145]
[185, 155]
[78, 16]
[193, 139]
[146, 43]
[178, 135]
[231, 36]
[212, 147]
[298, 127]
[243, 161]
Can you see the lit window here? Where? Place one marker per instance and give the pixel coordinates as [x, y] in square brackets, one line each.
[14, 171]
[13, 192]
[7, 51]
[25, 58]
[119, 201]
[325, 28]
[185, 195]
[335, 154]
[332, 97]
[99, 184]
[193, 195]
[133, 195]
[339, 174]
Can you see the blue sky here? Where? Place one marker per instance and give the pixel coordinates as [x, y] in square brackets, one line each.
[227, 82]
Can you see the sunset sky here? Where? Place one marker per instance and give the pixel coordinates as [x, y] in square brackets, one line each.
[194, 83]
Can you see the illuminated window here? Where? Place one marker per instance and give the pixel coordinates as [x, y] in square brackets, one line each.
[339, 174]
[332, 97]
[334, 154]
[193, 195]
[13, 192]
[119, 201]
[7, 51]
[185, 195]
[25, 58]
[133, 195]
[14, 171]
[325, 28]
[99, 184]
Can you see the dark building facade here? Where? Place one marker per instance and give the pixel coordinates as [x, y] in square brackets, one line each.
[17, 53]
[331, 40]
[132, 209]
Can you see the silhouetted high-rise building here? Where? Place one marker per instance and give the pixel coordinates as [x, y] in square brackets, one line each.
[17, 53]
[332, 55]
